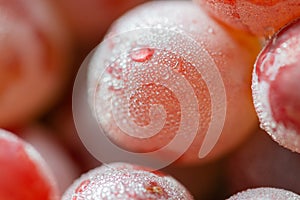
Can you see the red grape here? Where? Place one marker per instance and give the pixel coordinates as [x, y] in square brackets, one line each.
[276, 88]
[34, 54]
[64, 169]
[265, 194]
[24, 174]
[260, 17]
[125, 181]
[165, 75]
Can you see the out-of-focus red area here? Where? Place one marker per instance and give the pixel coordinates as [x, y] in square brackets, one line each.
[89, 20]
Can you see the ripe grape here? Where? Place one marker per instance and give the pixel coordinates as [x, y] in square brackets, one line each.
[34, 50]
[169, 69]
[265, 194]
[24, 174]
[59, 161]
[261, 18]
[276, 88]
[125, 181]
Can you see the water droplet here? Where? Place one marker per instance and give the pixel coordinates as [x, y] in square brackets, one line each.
[210, 30]
[142, 55]
[165, 76]
[269, 32]
[284, 45]
[83, 185]
[179, 67]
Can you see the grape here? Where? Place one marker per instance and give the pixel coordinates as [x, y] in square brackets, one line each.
[261, 162]
[24, 174]
[276, 91]
[34, 50]
[164, 65]
[64, 169]
[261, 18]
[125, 181]
[265, 194]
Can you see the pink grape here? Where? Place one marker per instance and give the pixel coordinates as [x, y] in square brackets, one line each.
[34, 56]
[24, 173]
[125, 181]
[232, 53]
[259, 17]
[59, 161]
[265, 194]
[276, 88]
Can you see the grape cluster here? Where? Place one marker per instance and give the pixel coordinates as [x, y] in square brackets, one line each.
[174, 99]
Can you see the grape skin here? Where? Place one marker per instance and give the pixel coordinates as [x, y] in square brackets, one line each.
[276, 89]
[262, 21]
[233, 53]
